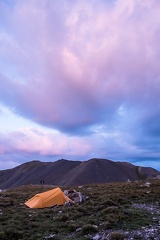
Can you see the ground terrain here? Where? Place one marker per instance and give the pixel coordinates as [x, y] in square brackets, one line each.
[110, 207]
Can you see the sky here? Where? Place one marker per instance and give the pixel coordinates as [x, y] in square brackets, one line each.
[79, 79]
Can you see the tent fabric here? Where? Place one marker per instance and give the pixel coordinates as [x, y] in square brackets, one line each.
[48, 199]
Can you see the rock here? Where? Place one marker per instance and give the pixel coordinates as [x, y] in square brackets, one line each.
[50, 236]
[96, 237]
[78, 229]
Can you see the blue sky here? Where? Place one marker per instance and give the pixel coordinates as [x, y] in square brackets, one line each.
[79, 79]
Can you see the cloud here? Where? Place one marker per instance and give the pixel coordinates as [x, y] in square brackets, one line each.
[42, 143]
[81, 66]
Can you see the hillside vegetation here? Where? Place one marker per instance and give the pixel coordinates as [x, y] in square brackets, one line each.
[108, 207]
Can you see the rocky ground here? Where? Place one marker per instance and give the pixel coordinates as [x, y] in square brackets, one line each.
[152, 232]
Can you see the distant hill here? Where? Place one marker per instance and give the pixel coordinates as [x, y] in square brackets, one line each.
[71, 173]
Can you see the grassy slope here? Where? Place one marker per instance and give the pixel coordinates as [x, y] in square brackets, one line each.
[109, 206]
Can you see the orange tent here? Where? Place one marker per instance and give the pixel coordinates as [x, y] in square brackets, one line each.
[48, 199]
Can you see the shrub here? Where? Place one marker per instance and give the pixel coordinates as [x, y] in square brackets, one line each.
[116, 236]
[111, 209]
[88, 229]
[2, 235]
[109, 202]
[63, 217]
[12, 234]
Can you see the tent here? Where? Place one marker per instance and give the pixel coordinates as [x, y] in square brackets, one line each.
[48, 199]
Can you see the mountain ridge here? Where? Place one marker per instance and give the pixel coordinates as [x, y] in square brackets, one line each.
[71, 172]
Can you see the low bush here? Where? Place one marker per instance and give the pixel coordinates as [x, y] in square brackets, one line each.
[116, 236]
[87, 229]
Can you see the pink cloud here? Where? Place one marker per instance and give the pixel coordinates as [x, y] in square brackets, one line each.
[76, 65]
[32, 141]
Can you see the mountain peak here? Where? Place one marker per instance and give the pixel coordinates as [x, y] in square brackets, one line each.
[69, 173]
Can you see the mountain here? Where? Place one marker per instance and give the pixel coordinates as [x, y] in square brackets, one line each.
[69, 173]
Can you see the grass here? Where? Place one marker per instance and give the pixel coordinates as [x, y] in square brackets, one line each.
[108, 206]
